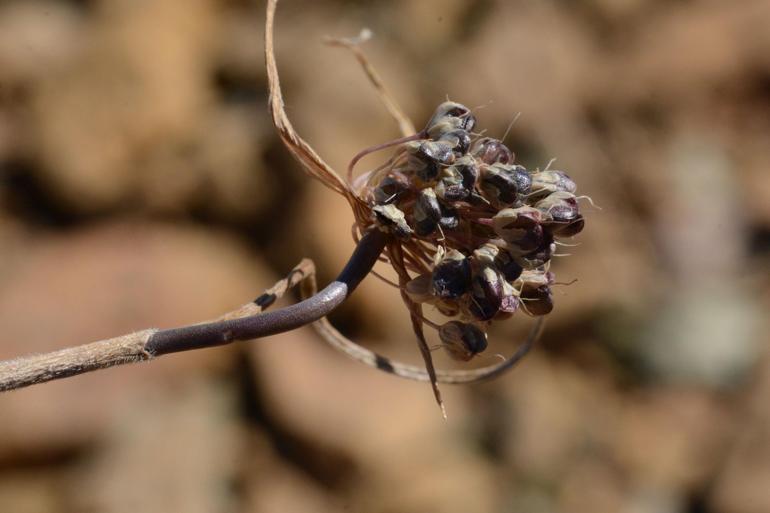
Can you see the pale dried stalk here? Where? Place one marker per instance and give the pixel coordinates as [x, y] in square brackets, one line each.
[405, 125]
[30, 370]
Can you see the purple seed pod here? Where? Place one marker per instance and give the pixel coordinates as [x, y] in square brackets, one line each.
[458, 139]
[449, 116]
[390, 189]
[537, 300]
[486, 294]
[510, 302]
[500, 183]
[491, 151]
[393, 220]
[451, 276]
[520, 227]
[546, 182]
[427, 212]
[461, 340]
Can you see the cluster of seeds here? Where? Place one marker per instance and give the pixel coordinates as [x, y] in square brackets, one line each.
[480, 230]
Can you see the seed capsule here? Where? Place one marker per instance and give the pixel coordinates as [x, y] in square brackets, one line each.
[390, 189]
[427, 212]
[546, 182]
[510, 301]
[451, 276]
[563, 213]
[449, 116]
[561, 207]
[450, 185]
[458, 139]
[520, 227]
[539, 256]
[486, 294]
[501, 183]
[462, 341]
[568, 230]
[469, 170]
[429, 157]
[537, 300]
[492, 151]
[393, 220]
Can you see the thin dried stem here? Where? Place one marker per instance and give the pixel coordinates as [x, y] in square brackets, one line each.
[29, 370]
[354, 45]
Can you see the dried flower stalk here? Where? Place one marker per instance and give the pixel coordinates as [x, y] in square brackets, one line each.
[476, 230]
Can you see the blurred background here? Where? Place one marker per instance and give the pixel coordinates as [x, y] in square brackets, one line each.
[141, 184]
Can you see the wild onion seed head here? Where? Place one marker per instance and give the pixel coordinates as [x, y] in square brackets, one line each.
[480, 230]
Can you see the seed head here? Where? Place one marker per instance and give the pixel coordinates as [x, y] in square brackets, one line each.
[480, 229]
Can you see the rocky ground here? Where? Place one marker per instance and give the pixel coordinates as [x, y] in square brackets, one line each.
[141, 184]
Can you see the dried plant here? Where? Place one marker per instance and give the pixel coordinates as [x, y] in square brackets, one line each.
[467, 230]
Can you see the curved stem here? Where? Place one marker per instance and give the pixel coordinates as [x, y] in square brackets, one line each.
[147, 344]
[278, 321]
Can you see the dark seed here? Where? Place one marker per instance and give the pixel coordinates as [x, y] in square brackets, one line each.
[520, 227]
[433, 154]
[427, 205]
[486, 294]
[459, 140]
[452, 276]
[540, 255]
[425, 227]
[469, 171]
[449, 218]
[523, 180]
[568, 230]
[451, 192]
[561, 207]
[390, 188]
[427, 212]
[500, 183]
